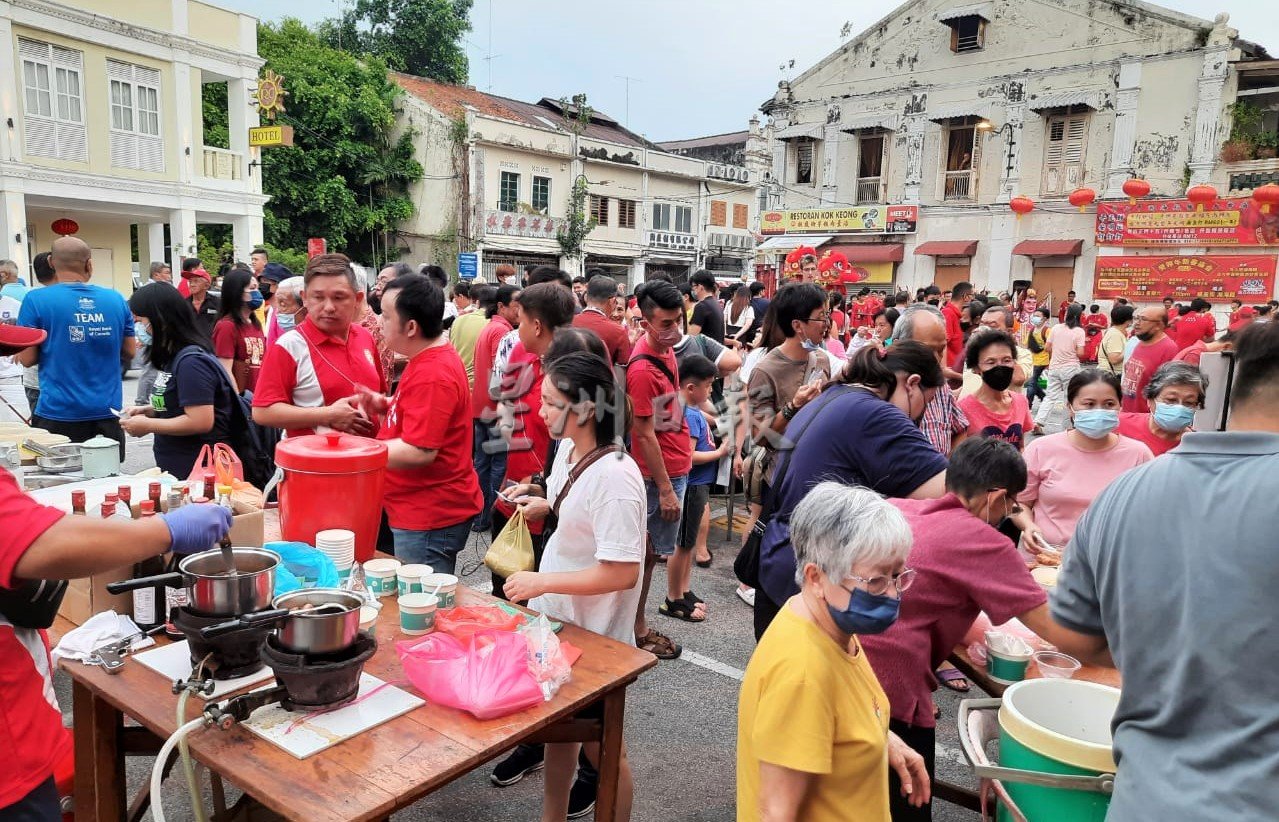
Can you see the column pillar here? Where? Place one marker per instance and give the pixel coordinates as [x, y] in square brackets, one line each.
[1127, 99]
[240, 118]
[13, 229]
[914, 127]
[1208, 110]
[151, 247]
[1010, 156]
[182, 234]
[10, 100]
[246, 235]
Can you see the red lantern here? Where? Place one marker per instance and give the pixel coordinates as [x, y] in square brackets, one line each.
[1136, 189]
[1201, 195]
[1082, 197]
[1021, 205]
[65, 227]
[1267, 197]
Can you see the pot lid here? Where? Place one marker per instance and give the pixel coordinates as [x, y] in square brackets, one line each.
[330, 453]
[100, 442]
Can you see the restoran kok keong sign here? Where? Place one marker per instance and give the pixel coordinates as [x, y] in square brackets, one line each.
[871, 219]
[1249, 278]
[1233, 222]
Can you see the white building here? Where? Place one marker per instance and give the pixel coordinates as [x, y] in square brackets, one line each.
[101, 123]
[957, 107]
[500, 173]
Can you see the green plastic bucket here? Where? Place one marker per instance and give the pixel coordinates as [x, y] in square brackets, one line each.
[1058, 727]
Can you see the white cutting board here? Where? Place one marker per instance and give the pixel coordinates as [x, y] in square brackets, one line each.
[303, 734]
[173, 661]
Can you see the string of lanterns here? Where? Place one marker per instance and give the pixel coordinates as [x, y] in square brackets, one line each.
[1265, 197]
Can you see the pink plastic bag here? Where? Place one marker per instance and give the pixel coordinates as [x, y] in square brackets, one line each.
[487, 675]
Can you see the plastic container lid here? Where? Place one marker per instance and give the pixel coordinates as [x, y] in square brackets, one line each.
[330, 453]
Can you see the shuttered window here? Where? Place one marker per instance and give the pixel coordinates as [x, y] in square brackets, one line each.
[54, 101]
[741, 214]
[1064, 145]
[134, 96]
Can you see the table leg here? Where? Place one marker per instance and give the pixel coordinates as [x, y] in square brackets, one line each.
[610, 755]
[99, 758]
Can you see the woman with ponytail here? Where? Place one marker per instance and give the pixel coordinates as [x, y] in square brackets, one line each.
[862, 430]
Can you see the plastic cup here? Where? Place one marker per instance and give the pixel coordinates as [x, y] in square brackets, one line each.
[1056, 665]
[368, 617]
[410, 578]
[379, 576]
[417, 613]
[443, 586]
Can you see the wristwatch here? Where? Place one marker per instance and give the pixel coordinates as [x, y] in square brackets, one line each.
[789, 411]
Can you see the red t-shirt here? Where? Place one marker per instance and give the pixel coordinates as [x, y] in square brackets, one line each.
[653, 395]
[482, 364]
[311, 369]
[1141, 366]
[963, 567]
[1011, 427]
[954, 334]
[1192, 353]
[615, 338]
[1193, 327]
[1062, 309]
[1137, 427]
[31, 732]
[429, 410]
[246, 345]
[519, 417]
[1094, 326]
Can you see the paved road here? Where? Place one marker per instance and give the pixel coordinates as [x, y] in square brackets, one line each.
[681, 717]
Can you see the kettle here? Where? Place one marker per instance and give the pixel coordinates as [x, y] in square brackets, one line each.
[101, 457]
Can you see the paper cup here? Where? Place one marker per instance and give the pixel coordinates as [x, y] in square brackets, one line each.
[447, 585]
[379, 576]
[417, 613]
[368, 617]
[410, 578]
[1007, 667]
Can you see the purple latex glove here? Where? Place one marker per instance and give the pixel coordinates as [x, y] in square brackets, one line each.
[197, 528]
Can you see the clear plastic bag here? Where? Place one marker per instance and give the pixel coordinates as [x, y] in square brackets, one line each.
[487, 675]
[546, 659]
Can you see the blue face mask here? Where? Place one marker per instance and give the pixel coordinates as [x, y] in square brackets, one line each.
[1173, 418]
[1096, 423]
[143, 334]
[286, 321]
[866, 613]
[1037, 319]
[809, 345]
[255, 299]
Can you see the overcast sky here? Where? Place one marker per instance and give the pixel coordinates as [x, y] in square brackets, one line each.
[700, 67]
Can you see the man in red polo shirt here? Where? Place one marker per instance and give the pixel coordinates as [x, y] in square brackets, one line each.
[432, 492]
[601, 292]
[311, 378]
[489, 453]
[961, 294]
[1195, 325]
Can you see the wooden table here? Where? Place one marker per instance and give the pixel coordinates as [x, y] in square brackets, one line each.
[977, 675]
[369, 776]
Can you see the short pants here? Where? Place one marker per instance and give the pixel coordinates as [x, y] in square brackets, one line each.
[695, 499]
[662, 533]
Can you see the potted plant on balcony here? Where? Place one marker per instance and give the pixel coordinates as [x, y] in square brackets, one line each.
[1267, 145]
[1237, 150]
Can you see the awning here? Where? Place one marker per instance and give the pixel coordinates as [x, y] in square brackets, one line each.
[1064, 99]
[947, 248]
[869, 252]
[888, 122]
[940, 114]
[812, 131]
[791, 242]
[1048, 248]
[981, 10]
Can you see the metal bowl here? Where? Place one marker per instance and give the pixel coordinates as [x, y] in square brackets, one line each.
[213, 591]
[322, 632]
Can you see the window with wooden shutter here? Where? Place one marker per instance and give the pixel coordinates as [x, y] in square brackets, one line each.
[133, 94]
[1064, 143]
[599, 210]
[53, 96]
[741, 215]
[804, 162]
[719, 213]
[625, 213]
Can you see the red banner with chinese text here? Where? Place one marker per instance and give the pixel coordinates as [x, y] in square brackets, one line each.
[1237, 222]
[1249, 278]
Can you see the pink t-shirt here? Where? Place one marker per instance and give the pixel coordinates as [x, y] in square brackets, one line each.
[963, 567]
[1066, 343]
[1140, 367]
[1062, 479]
[1010, 427]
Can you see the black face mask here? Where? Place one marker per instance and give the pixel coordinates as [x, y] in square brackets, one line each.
[375, 302]
[998, 378]
[933, 301]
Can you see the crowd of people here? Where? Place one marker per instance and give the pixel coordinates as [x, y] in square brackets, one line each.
[933, 443]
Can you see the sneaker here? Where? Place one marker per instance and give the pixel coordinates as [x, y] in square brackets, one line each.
[521, 762]
[581, 799]
[746, 595]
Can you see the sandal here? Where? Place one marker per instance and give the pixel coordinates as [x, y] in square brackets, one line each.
[658, 644]
[706, 563]
[953, 678]
[680, 609]
[693, 598]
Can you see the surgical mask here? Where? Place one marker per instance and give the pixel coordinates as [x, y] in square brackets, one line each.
[1173, 418]
[1096, 423]
[998, 378]
[669, 337]
[1037, 320]
[809, 345]
[866, 613]
[255, 299]
[286, 321]
[143, 334]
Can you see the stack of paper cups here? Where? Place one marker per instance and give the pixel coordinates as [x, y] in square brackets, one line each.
[338, 545]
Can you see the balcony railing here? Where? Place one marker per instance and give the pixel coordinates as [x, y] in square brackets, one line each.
[958, 185]
[869, 190]
[220, 164]
[1246, 175]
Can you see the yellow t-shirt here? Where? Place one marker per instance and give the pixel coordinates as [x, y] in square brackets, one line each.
[807, 705]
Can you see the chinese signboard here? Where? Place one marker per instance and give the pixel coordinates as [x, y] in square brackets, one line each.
[873, 219]
[271, 136]
[513, 224]
[315, 246]
[1249, 278]
[1236, 222]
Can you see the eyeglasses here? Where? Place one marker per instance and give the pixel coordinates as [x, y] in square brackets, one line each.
[816, 320]
[878, 585]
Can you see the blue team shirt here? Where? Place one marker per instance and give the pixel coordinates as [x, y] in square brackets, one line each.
[700, 431]
[855, 438]
[80, 359]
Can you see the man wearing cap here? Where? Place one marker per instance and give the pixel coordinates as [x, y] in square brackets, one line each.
[89, 329]
[207, 306]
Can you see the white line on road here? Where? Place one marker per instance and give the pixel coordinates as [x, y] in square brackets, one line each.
[713, 665]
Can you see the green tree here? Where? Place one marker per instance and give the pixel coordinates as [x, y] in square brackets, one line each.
[421, 37]
[347, 175]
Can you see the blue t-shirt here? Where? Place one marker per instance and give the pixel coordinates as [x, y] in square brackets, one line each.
[16, 290]
[80, 359]
[855, 438]
[196, 379]
[700, 431]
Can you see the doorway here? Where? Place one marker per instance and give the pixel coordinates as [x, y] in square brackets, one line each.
[1054, 279]
[951, 270]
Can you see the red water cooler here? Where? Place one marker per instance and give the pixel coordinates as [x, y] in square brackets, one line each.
[331, 480]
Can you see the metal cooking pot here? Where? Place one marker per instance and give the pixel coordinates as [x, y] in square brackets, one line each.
[211, 591]
[324, 631]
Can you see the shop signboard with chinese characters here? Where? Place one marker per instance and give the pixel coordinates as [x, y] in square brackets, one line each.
[514, 224]
[870, 219]
[1249, 278]
[1228, 222]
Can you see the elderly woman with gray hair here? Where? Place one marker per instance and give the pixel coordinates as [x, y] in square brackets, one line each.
[812, 732]
[1175, 393]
